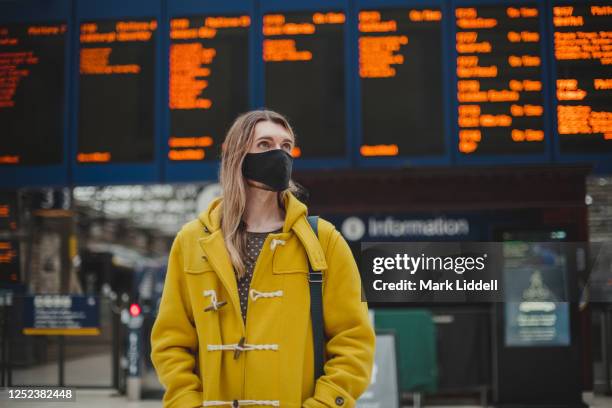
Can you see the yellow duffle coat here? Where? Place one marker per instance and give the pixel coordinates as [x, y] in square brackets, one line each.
[194, 351]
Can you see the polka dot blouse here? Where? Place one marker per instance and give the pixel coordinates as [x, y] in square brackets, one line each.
[254, 243]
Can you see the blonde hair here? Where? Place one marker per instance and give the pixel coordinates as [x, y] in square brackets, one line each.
[233, 184]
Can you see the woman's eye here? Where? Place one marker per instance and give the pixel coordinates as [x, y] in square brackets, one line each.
[263, 144]
[287, 146]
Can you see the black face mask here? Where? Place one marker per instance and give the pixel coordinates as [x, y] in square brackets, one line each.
[272, 168]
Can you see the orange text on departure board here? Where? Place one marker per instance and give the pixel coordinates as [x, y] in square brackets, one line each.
[188, 72]
[8, 255]
[584, 45]
[381, 43]
[190, 60]
[95, 157]
[95, 60]
[379, 150]
[10, 159]
[188, 148]
[572, 42]
[5, 212]
[7, 252]
[191, 71]
[581, 119]
[471, 43]
[379, 53]
[181, 29]
[285, 49]
[467, 18]
[16, 66]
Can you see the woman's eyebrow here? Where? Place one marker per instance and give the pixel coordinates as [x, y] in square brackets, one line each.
[287, 139]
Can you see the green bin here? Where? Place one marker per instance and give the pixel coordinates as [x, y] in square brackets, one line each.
[416, 347]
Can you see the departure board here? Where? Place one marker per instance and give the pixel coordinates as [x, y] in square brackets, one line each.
[116, 91]
[8, 212]
[303, 55]
[32, 96]
[400, 66]
[9, 260]
[9, 245]
[583, 56]
[499, 80]
[209, 70]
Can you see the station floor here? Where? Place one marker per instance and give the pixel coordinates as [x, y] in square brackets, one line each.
[109, 399]
[96, 370]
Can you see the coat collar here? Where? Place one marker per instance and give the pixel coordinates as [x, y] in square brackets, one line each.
[295, 221]
[213, 244]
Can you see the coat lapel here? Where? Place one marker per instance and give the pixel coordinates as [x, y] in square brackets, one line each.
[214, 247]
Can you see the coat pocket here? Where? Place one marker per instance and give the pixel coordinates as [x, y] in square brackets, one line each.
[198, 270]
[207, 296]
[196, 263]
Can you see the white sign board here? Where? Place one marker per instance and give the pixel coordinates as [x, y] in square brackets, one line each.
[383, 390]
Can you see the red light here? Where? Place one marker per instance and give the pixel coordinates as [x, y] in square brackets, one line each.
[134, 309]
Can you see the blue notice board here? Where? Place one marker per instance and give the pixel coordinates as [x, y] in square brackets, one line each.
[76, 315]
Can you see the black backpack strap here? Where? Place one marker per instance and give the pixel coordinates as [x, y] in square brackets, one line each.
[315, 279]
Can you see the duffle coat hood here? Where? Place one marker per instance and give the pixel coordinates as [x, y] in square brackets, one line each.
[205, 355]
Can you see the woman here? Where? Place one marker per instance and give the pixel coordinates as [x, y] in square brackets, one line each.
[248, 255]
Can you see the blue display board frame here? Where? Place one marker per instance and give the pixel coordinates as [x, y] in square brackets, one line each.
[161, 169]
[33, 11]
[208, 170]
[116, 173]
[539, 158]
[602, 162]
[404, 161]
[350, 60]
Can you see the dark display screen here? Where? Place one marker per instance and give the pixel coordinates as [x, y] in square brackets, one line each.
[499, 80]
[209, 70]
[116, 91]
[8, 212]
[400, 66]
[32, 96]
[9, 246]
[583, 56]
[9, 260]
[304, 59]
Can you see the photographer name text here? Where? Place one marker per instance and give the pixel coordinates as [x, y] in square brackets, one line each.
[431, 285]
